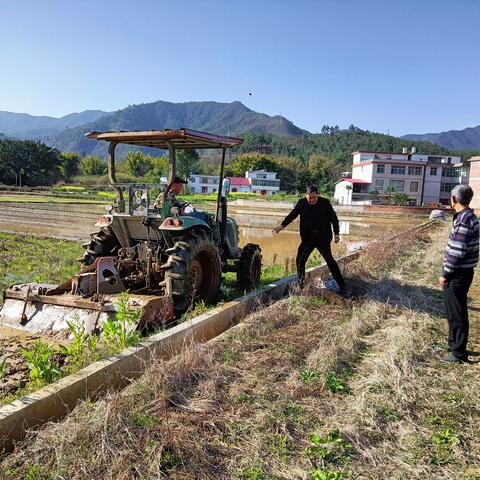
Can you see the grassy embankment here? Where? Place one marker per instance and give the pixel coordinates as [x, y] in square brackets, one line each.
[26, 259]
[313, 387]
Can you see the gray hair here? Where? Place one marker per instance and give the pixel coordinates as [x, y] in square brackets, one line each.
[463, 194]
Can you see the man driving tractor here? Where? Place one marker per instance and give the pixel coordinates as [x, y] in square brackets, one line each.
[175, 206]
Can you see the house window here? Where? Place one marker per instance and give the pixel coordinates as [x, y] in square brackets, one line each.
[450, 173]
[447, 187]
[398, 185]
[380, 168]
[398, 170]
[414, 186]
[414, 170]
[433, 171]
[192, 179]
[379, 185]
[204, 189]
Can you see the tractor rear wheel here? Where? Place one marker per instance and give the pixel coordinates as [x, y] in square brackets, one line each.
[102, 244]
[194, 270]
[249, 267]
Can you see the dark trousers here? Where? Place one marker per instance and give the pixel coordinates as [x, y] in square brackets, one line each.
[457, 312]
[304, 251]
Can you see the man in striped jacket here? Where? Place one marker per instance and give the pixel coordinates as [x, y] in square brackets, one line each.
[461, 257]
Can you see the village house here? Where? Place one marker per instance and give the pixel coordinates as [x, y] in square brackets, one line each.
[203, 183]
[474, 163]
[257, 181]
[426, 179]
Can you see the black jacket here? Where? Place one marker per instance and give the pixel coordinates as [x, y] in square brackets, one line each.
[316, 221]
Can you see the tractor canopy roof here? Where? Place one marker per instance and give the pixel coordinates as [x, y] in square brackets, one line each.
[182, 138]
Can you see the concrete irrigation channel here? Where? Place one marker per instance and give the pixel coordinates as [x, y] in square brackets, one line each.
[54, 401]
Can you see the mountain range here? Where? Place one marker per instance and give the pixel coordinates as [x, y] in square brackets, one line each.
[466, 139]
[67, 133]
[26, 127]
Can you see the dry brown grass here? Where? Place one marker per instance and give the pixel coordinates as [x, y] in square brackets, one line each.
[245, 406]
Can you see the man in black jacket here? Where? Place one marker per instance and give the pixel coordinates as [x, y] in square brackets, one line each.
[317, 218]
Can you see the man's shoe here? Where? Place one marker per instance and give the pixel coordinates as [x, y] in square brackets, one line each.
[451, 358]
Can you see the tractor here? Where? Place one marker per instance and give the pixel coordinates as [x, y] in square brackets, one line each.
[166, 259]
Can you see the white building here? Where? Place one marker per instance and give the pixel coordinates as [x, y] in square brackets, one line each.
[203, 183]
[424, 178]
[258, 181]
[350, 191]
[263, 182]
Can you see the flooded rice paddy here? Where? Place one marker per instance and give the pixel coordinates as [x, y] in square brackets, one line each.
[76, 222]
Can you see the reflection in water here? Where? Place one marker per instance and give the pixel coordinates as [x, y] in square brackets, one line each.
[276, 247]
[344, 228]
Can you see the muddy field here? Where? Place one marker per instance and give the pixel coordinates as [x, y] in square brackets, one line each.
[14, 371]
[25, 259]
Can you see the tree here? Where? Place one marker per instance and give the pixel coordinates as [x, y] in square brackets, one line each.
[137, 163]
[188, 162]
[293, 174]
[324, 171]
[250, 162]
[26, 162]
[69, 164]
[389, 191]
[374, 194]
[92, 165]
[158, 169]
[400, 198]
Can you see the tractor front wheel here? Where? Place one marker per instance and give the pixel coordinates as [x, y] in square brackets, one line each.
[249, 267]
[102, 244]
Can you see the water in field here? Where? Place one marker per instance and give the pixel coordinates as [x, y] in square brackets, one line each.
[76, 222]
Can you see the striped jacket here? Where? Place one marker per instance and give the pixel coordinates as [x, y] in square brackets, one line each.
[462, 247]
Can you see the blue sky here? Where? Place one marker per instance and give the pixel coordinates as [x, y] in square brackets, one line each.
[388, 66]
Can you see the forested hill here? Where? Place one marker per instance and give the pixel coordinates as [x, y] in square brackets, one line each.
[220, 118]
[334, 144]
[466, 139]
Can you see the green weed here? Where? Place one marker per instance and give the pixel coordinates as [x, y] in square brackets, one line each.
[294, 413]
[37, 472]
[198, 309]
[3, 367]
[252, 473]
[389, 413]
[245, 398]
[280, 446]
[335, 384]
[120, 333]
[169, 460]
[142, 420]
[228, 355]
[321, 474]
[83, 346]
[443, 441]
[43, 367]
[329, 449]
[308, 375]
[452, 398]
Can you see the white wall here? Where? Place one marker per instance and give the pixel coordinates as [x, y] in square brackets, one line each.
[199, 183]
[343, 195]
[363, 172]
